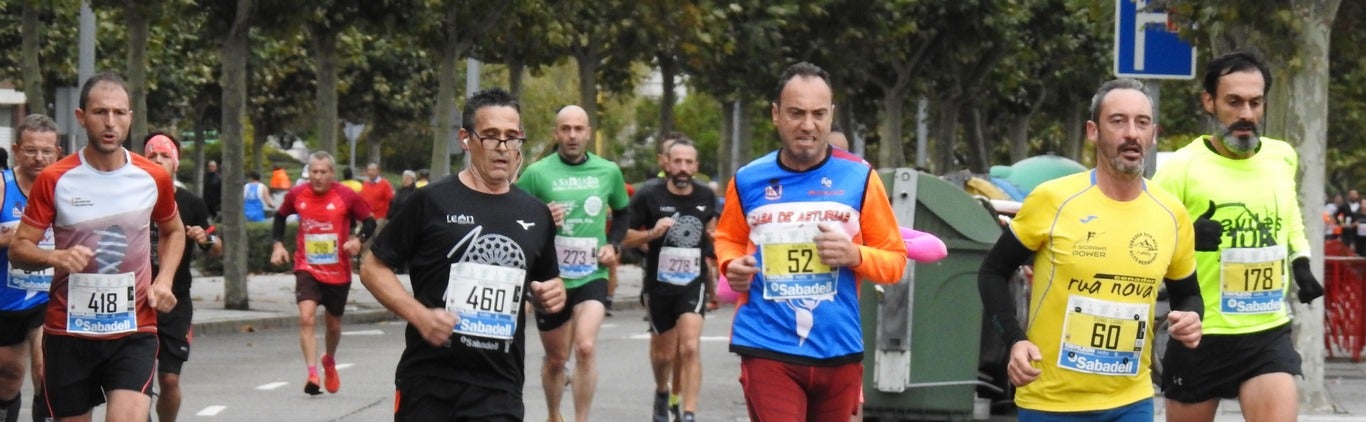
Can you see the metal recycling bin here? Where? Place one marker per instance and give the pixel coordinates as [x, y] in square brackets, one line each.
[921, 336]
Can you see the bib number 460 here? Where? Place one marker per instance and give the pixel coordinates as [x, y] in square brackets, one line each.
[491, 299]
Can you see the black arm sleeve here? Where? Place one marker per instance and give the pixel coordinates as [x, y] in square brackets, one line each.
[367, 228]
[1185, 295]
[993, 282]
[620, 222]
[277, 230]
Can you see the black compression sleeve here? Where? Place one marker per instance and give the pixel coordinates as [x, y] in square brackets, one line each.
[620, 222]
[277, 230]
[993, 281]
[1185, 295]
[367, 228]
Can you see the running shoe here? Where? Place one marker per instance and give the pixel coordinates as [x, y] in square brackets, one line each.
[330, 371]
[661, 408]
[311, 387]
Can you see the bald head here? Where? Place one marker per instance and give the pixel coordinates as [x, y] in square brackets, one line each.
[572, 132]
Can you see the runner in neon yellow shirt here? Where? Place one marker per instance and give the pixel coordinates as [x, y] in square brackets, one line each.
[1252, 242]
[1101, 242]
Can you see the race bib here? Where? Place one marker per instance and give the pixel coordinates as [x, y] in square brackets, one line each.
[1102, 337]
[791, 267]
[1252, 280]
[578, 256]
[486, 298]
[101, 303]
[37, 280]
[321, 249]
[679, 266]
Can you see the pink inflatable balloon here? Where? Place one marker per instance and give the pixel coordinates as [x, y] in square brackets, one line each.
[923, 247]
[723, 292]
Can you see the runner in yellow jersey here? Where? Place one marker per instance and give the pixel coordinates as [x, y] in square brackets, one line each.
[1102, 243]
[1252, 239]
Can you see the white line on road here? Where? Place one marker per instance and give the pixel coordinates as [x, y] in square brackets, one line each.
[211, 410]
[363, 333]
[646, 336]
[345, 365]
[272, 385]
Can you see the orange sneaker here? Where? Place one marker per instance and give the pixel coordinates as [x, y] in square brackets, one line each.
[311, 387]
[330, 372]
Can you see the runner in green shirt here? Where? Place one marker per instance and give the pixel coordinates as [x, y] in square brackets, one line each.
[581, 189]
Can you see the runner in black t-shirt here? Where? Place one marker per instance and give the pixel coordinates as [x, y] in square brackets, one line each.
[174, 327]
[476, 248]
[675, 218]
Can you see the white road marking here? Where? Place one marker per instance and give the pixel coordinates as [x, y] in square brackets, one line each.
[211, 410]
[271, 386]
[609, 326]
[646, 336]
[363, 333]
[341, 366]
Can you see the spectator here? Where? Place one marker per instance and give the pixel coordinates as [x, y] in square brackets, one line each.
[213, 188]
[376, 192]
[401, 196]
[255, 198]
[422, 176]
[349, 180]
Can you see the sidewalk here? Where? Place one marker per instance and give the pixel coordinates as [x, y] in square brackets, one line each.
[271, 302]
[271, 299]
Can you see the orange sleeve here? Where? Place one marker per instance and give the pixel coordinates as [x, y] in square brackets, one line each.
[165, 208]
[732, 230]
[41, 208]
[879, 240]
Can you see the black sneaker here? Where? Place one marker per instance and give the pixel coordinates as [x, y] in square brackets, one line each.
[661, 408]
[673, 408]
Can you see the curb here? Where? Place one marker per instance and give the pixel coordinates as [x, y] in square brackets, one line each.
[275, 320]
[279, 321]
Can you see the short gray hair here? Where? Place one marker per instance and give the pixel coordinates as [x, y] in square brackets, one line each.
[1121, 83]
[410, 173]
[37, 123]
[323, 155]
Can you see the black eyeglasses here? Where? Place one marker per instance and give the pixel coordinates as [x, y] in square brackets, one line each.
[492, 143]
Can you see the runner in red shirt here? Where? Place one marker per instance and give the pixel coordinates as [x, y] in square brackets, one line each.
[322, 258]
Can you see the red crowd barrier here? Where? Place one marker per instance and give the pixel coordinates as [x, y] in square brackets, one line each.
[1344, 301]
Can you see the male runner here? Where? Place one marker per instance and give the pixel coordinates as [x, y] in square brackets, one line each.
[322, 259]
[173, 328]
[100, 330]
[23, 297]
[1251, 239]
[675, 218]
[476, 247]
[581, 190]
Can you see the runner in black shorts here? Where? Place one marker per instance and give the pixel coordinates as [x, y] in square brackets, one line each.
[23, 294]
[592, 290]
[476, 249]
[675, 218]
[174, 328]
[332, 297]
[100, 330]
[1194, 376]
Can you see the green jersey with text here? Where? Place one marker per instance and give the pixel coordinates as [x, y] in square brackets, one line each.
[588, 191]
[1244, 282]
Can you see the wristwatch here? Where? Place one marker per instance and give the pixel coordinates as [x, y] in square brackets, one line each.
[208, 245]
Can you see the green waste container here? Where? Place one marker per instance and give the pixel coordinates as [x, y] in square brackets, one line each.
[921, 337]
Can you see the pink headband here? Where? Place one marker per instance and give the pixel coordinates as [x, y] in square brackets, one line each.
[162, 143]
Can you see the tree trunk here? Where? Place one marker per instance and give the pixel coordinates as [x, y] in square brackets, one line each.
[516, 70]
[201, 133]
[325, 57]
[945, 136]
[1076, 136]
[725, 159]
[1308, 124]
[668, 71]
[445, 97]
[375, 142]
[980, 152]
[1018, 132]
[32, 70]
[233, 57]
[889, 149]
[136, 13]
[587, 59]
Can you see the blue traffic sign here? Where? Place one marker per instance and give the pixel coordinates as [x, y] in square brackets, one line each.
[1146, 48]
